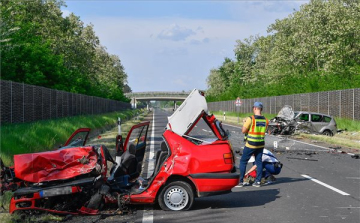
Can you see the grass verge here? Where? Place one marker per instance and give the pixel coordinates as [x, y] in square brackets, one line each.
[48, 134]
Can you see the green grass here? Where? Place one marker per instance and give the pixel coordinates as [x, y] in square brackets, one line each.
[350, 125]
[49, 134]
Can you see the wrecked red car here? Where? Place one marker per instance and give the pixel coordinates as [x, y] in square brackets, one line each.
[75, 179]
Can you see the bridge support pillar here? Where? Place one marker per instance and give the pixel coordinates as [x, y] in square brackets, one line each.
[147, 105]
[174, 105]
[134, 105]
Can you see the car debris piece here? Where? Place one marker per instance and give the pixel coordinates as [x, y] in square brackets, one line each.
[297, 158]
[355, 156]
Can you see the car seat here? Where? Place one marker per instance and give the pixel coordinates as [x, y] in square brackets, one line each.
[161, 156]
[128, 165]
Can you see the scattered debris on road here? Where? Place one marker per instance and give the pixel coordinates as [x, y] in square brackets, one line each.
[298, 158]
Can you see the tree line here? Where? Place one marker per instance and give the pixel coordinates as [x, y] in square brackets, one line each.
[40, 46]
[314, 49]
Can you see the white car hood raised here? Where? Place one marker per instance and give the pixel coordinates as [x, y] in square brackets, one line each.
[188, 112]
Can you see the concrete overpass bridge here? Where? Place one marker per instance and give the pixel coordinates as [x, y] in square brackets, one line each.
[156, 96]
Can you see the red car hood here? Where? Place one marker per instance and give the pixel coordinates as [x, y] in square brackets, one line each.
[55, 165]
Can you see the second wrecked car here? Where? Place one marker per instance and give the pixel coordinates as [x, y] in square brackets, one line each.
[288, 121]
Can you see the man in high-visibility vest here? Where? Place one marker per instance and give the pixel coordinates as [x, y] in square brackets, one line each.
[254, 129]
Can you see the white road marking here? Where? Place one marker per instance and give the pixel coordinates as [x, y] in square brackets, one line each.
[356, 178]
[148, 216]
[309, 144]
[348, 207]
[150, 168]
[326, 185]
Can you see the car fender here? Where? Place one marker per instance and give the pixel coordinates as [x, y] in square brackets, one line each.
[323, 129]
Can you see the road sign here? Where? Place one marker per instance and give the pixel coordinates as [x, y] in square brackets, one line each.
[238, 102]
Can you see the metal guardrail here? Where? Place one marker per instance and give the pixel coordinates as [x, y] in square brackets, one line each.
[157, 94]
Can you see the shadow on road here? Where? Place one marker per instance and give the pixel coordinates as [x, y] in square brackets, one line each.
[237, 199]
[289, 180]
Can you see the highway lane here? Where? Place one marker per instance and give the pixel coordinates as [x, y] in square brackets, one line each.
[293, 198]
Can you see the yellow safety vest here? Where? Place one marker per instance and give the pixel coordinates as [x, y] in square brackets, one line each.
[256, 134]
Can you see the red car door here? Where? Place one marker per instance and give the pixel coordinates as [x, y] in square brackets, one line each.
[78, 138]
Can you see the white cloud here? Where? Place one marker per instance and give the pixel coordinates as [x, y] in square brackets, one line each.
[195, 45]
[149, 61]
[175, 33]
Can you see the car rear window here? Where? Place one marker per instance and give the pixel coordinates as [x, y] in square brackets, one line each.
[316, 118]
[327, 119]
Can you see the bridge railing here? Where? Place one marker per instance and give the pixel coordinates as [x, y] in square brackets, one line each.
[157, 94]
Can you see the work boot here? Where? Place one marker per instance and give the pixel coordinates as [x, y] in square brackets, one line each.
[242, 184]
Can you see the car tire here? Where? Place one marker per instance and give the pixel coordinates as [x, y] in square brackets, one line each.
[96, 202]
[176, 196]
[328, 133]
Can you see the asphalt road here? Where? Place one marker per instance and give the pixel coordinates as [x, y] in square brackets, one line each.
[314, 185]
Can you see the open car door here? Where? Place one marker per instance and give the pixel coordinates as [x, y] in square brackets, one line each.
[138, 136]
[78, 138]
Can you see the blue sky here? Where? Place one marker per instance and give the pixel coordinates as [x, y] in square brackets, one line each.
[172, 45]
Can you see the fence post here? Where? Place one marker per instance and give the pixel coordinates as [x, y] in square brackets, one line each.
[42, 103]
[23, 102]
[340, 105]
[318, 102]
[34, 118]
[270, 104]
[293, 101]
[11, 102]
[56, 103]
[353, 104]
[275, 104]
[50, 104]
[328, 102]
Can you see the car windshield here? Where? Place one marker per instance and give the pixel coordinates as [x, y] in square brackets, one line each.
[202, 133]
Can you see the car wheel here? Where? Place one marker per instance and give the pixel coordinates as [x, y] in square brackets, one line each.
[176, 196]
[327, 133]
[96, 202]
